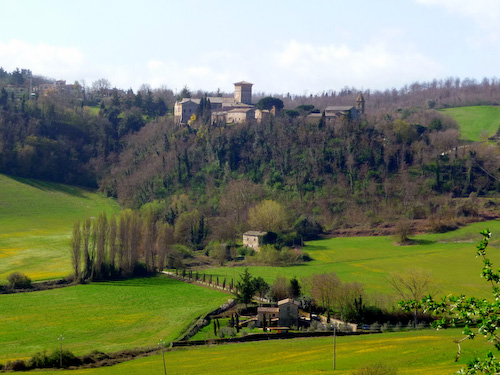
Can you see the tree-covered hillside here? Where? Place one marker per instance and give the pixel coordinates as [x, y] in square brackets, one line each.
[402, 158]
[341, 175]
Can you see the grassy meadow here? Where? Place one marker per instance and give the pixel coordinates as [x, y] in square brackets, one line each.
[418, 352]
[36, 219]
[106, 316]
[450, 257]
[476, 123]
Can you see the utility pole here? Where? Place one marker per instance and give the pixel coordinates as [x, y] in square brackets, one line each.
[60, 339]
[334, 346]
[162, 344]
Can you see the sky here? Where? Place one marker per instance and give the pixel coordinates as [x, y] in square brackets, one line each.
[281, 46]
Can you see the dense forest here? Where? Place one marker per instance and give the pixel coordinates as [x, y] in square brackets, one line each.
[403, 158]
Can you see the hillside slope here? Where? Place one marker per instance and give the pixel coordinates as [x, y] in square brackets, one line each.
[36, 219]
[476, 123]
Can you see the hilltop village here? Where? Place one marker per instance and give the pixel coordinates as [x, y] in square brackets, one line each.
[239, 108]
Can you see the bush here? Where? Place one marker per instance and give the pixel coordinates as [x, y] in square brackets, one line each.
[306, 257]
[226, 332]
[40, 360]
[140, 270]
[17, 365]
[245, 251]
[309, 229]
[439, 225]
[18, 280]
[43, 360]
[376, 369]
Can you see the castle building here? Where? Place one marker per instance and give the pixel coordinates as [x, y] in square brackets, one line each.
[243, 92]
[237, 109]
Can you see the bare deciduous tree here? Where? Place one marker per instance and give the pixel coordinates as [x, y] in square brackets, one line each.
[280, 288]
[413, 284]
[76, 249]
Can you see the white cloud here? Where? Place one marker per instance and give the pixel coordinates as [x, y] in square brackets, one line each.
[484, 13]
[374, 65]
[208, 72]
[41, 58]
[384, 62]
[292, 66]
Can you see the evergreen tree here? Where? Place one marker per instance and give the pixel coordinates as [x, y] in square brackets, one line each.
[245, 288]
[295, 287]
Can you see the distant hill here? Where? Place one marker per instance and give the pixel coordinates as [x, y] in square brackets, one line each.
[36, 219]
[476, 123]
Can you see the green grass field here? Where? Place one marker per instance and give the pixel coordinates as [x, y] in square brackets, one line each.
[35, 225]
[476, 123]
[106, 316]
[418, 352]
[369, 260]
[36, 219]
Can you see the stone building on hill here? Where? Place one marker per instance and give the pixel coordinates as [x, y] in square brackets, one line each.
[286, 314]
[345, 112]
[237, 109]
[253, 239]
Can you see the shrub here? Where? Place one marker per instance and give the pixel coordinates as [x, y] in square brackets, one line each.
[40, 360]
[421, 325]
[227, 332]
[44, 360]
[306, 257]
[398, 327]
[68, 358]
[18, 280]
[439, 225]
[17, 365]
[140, 270]
[376, 369]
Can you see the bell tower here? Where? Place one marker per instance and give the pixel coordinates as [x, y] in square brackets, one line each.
[243, 92]
[360, 104]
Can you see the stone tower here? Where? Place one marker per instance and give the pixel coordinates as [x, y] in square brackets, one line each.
[360, 104]
[243, 92]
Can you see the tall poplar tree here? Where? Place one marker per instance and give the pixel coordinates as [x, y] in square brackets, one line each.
[76, 250]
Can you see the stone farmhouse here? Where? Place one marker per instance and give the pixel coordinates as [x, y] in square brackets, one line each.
[286, 314]
[253, 239]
